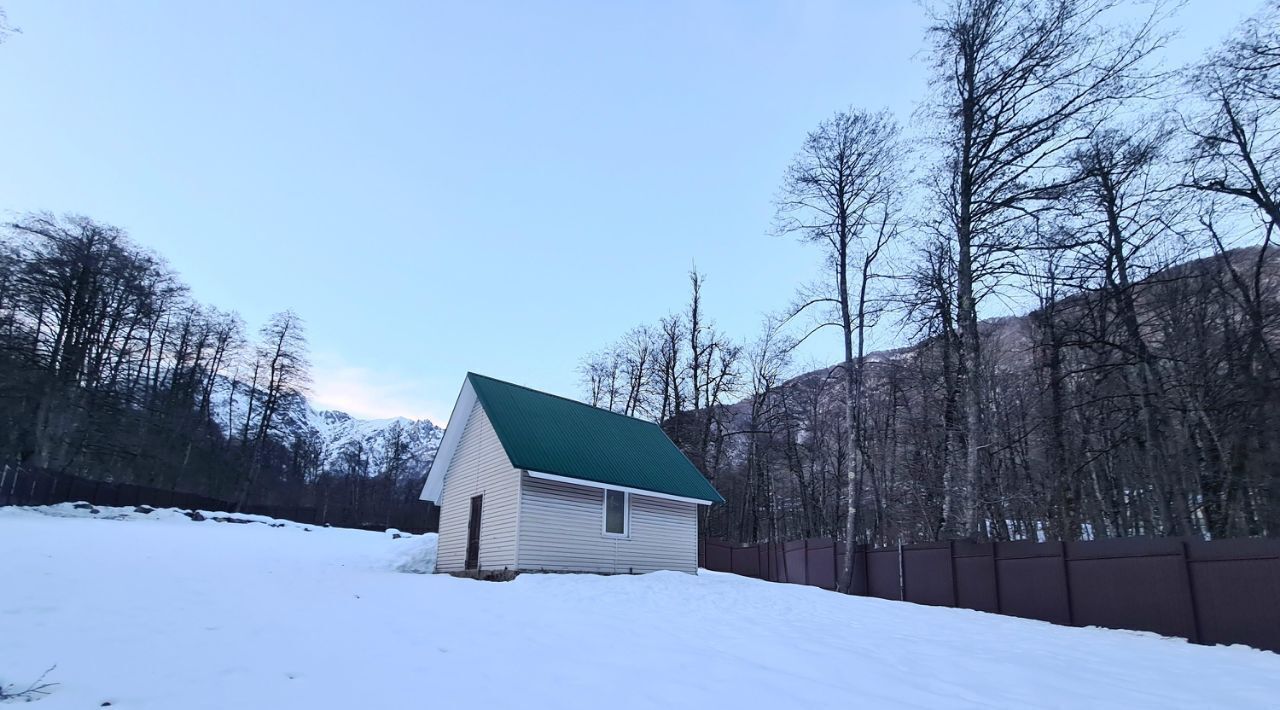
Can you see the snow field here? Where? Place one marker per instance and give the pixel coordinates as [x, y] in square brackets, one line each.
[157, 611]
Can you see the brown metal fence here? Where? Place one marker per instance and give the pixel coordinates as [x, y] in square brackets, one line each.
[1211, 592]
[27, 486]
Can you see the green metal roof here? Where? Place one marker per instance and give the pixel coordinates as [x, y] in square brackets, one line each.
[549, 434]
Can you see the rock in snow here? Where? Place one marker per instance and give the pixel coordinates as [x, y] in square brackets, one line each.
[157, 611]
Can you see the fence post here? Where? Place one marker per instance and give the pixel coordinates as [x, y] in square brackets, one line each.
[1191, 595]
[995, 575]
[955, 585]
[1066, 582]
[866, 569]
[902, 575]
[804, 569]
[835, 561]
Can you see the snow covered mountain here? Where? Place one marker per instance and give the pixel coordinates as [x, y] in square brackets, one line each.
[341, 434]
[342, 442]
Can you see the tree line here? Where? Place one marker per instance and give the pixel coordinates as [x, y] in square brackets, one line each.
[110, 370]
[1131, 209]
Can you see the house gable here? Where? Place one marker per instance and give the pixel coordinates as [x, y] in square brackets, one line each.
[453, 431]
[478, 466]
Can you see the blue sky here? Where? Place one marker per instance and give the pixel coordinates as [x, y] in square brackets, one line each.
[490, 186]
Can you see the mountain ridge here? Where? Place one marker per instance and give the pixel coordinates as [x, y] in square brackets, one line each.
[341, 440]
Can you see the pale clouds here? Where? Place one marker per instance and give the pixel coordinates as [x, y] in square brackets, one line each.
[370, 394]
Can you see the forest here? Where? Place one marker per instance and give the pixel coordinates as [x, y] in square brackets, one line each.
[110, 370]
[1072, 248]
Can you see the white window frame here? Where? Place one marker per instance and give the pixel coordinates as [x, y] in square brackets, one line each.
[626, 514]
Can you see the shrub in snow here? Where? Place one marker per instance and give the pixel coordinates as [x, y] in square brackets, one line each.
[36, 690]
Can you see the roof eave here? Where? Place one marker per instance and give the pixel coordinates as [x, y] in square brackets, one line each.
[434, 486]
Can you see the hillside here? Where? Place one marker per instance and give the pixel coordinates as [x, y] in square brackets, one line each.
[1011, 338]
[1109, 412]
[255, 616]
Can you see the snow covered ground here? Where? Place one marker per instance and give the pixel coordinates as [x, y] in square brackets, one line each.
[157, 611]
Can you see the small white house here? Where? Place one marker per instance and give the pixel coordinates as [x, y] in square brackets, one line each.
[526, 480]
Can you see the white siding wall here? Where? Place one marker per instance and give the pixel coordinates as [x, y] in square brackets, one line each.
[561, 529]
[479, 467]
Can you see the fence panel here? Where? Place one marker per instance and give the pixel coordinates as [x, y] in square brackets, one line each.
[85, 490]
[796, 558]
[128, 494]
[745, 561]
[777, 568]
[25, 486]
[1236, 584]
[766, 554]
[62, 485]
[1224, 591]
[975, 576]
[185, 501]
[42, 488]
[1031, 581]
[927, 573]
[882, 574]
[718, 556]
[1139, 584]
[160, 498]
[29, 488]
[820, 563]
[860, 570]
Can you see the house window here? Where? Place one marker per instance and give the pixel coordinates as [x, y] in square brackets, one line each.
[617, 509]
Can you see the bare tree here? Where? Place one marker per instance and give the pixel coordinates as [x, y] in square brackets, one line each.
[280, 374]
[840, 191]
[6, 29]
[1017, 83]
[769, 360]
[1235, 162]
[1236, 151]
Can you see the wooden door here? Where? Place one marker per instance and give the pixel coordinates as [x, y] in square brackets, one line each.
[473, 535]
